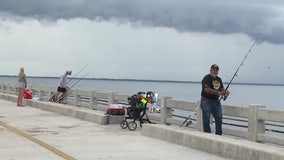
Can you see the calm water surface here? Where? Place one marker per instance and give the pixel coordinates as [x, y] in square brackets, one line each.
[241, 95]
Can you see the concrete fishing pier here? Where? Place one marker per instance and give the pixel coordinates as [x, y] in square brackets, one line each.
[70, 138]
[46, 130]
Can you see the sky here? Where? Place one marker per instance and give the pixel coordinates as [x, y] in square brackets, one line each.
[134, 39]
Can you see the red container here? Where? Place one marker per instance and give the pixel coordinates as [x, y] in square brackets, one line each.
[115, 111]
[28, 94]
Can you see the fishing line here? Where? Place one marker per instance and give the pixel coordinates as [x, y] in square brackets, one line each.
[77, 73]
[224, 97]
[74, 84]
[53, 98]
[71, 86]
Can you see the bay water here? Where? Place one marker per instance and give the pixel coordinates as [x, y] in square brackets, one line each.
[241, 95]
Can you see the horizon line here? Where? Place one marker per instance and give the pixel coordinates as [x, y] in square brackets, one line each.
[152, 80]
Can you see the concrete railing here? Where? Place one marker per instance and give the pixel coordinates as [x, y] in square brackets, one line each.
[254, 122]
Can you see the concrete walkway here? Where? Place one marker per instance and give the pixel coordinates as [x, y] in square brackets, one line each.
[29, 133]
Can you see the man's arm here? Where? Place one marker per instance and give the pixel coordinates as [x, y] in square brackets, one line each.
[212, 91]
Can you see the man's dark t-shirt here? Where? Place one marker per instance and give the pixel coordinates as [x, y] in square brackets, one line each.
[212, 82]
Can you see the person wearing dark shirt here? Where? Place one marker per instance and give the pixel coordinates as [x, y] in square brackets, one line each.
[212, 89]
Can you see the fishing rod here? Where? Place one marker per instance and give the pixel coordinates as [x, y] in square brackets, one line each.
[77, 73]
[189, 118]
[53, 98]
[224, 97]
[72, 85]
[66, 95]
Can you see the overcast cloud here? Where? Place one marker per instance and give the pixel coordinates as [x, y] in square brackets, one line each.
[157, 39]
[220, 16]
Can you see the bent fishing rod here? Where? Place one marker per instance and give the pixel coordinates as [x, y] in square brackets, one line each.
[224, 97]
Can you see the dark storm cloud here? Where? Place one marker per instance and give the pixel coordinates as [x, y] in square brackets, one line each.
[250, 17]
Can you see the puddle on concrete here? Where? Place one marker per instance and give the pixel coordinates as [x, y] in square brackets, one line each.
[68, 127]
[38, 129]
[41, 130]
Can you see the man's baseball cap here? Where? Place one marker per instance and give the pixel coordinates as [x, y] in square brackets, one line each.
[214, 66]
[69, 72]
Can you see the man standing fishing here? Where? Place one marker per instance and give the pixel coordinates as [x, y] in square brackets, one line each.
[212, 89]
[62, 88]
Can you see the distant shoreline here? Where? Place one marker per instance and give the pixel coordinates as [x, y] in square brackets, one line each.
[149, 80]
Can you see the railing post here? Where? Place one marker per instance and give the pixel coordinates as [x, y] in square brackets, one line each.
[199, 125]
[255, 125]
[111, 99]
[15, 86]
[77, 98]
[40, 92]
[6, 88]
[165, 110]
[93, 99]
[50, 93]
[9, 88]
[2, 87]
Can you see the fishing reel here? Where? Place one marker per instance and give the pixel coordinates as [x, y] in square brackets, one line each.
[225, 96]
[188, 123]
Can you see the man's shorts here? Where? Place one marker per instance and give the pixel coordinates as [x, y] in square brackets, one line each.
[60, 89]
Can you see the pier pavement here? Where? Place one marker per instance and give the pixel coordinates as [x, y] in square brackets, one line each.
[28, 133]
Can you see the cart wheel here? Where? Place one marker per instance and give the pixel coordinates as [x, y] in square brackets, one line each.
[123, 124]
[132, 125]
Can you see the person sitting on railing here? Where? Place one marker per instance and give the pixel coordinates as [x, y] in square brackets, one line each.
[62, 88]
